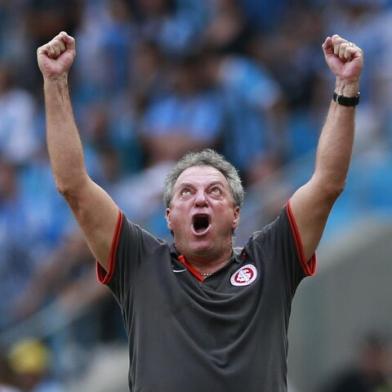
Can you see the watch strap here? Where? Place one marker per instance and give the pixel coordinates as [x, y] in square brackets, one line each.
[346, 101]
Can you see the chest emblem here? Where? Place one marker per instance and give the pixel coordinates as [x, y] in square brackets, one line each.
[244, 276]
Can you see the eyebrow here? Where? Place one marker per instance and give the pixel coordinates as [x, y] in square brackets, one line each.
[217, 183]
[189, 184]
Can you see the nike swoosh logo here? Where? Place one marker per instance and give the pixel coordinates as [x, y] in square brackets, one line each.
[181, 270]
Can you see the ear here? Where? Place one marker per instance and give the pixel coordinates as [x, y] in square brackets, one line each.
[236, 218]
[168, 220]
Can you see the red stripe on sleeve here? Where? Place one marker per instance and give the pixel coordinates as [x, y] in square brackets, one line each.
[104, 276]
[308, 266]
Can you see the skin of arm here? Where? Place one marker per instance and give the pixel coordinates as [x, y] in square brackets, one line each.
[93, 208]
[312, 203]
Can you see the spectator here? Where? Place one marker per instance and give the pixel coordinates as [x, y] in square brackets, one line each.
[118, 40]
[265, 16]
[18, 141]
[368, 23]
[42, 19]
[371, 373]
[173, 25]
[7, 378]
[148, 75]
[254, 114]
[30, 360]
[40, 223]
[15, 263]
[188, 118]
[290, 55]
[12, 33]
[71, 289]
[55, 280]
[228, 29]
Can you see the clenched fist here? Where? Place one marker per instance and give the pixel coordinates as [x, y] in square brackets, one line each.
[56, 57]
[345, 60]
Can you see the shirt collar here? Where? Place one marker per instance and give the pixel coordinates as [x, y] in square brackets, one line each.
[238, 254]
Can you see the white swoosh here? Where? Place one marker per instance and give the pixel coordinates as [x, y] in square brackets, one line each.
[182, 270]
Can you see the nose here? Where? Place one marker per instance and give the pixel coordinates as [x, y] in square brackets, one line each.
[200, 199]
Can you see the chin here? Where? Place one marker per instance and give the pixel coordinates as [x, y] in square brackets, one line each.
[199, 246]
[203, 250]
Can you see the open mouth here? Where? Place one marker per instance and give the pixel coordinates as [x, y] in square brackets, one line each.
[200, 223]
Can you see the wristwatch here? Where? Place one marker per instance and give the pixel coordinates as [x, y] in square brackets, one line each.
[346, 101]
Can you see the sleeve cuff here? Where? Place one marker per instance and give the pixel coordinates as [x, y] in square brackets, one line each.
[308, 266]
[104, 276]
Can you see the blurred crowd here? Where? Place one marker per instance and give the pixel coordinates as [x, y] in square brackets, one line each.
[152, 80]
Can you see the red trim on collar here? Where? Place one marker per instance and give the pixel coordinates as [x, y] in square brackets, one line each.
[191, 268]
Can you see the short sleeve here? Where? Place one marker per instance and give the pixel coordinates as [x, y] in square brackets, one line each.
[130, 245]
[308, 266]
[280, 247]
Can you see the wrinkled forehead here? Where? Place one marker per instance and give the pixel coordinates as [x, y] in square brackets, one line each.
[201, 176]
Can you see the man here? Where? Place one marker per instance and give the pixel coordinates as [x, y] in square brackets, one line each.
[370, 372]
[200, 316]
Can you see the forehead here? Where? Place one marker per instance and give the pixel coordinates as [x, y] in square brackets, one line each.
[200, 175]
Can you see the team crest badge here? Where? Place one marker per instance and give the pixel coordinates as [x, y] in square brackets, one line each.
[244, 276]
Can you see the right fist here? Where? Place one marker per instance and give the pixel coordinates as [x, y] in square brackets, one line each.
[56, 57]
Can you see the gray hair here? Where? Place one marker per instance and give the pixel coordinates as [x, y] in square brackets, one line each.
[206, 157]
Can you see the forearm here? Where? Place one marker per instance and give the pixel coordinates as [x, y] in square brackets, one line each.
[64, 145]
[336, 141]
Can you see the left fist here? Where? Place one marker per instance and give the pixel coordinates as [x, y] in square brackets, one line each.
[344, 58]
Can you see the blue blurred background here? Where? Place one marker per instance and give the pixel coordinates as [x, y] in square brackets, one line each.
[152, 80]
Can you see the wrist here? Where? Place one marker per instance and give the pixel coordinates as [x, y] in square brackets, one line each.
[56, 88]
[347, 88]
[58, 85]
[56, 80]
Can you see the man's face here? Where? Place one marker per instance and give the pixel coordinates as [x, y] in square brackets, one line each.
[202, 214]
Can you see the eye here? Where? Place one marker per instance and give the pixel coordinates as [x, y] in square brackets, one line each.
[216, 191]
[185, 192]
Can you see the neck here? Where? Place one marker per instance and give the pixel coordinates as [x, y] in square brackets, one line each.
[206, 264]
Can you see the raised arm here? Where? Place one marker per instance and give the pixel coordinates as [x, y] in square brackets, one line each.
[94, 210]
[312, 203]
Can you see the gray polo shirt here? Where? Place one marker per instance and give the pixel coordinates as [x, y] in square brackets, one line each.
[226, 333]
